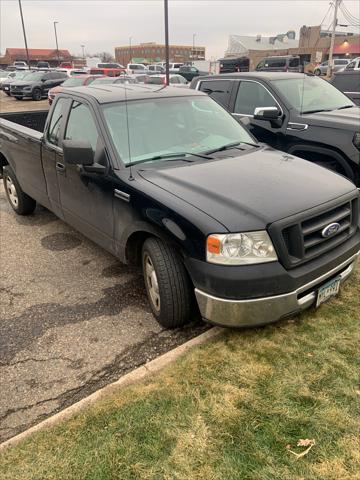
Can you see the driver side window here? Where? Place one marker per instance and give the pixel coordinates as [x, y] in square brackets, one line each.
[81, 125]
[250, 96]
[53, 132]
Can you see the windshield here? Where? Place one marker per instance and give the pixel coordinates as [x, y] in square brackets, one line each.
[169, 126]
[36, 76]
[73, 82]
[311, 94]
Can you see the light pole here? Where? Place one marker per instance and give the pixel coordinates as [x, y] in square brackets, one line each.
[193, 50]
[57, 45]
[332, 41]
[23, 27]
[130, 52]
[166, 17]
[83, 51]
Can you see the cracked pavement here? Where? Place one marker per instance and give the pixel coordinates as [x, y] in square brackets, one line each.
[72, 319]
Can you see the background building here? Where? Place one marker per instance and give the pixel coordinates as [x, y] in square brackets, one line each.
[312, 47]
[35, 55]
[154, 52]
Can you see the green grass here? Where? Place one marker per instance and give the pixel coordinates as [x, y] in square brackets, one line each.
[227, 410]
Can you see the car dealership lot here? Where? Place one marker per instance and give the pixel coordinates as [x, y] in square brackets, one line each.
[72, 318]
[10, 104]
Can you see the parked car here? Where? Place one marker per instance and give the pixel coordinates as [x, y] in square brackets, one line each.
[156, 69]
[300, 114]
[174, 80]
[230, 65]
[66, 65]
[189, 72]
[354, 64]
[109, 72]
[43, 65]
[284, 63]
[36, 84]
[13, 77]
[110, 65]
[19, 64]
[136, 68]
[72, 71]
[75, 81]
[114, 80]
[217, 223]
[140, 77]
[348, 81]
[339, 64]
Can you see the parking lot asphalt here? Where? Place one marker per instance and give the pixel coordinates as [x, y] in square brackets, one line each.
[72, 318]
[10, 104]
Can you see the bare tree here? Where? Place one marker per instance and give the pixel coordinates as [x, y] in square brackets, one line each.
[105, 57]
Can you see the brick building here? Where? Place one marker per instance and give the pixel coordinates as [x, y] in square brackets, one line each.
[154, 52]
[35, 55]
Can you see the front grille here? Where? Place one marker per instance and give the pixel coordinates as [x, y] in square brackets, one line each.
[300, 240]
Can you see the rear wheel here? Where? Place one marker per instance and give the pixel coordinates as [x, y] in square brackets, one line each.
[20, 202]
[317, 72]
[167, 283]
[36, 94]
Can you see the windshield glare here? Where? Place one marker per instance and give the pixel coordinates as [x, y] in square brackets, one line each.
[170, 126]
[311, 93]
[73, 82]
[34, 76]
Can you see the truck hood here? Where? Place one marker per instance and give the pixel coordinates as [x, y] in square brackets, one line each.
[251, 190]
[348, 118]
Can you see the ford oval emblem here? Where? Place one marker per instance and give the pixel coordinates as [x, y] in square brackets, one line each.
[330, 230]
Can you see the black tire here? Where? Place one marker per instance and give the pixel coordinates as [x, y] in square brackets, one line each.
[317, 72]
[174, 286]
[20, 202]
[36, 94]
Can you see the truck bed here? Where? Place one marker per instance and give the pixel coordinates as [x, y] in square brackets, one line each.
[35, 120]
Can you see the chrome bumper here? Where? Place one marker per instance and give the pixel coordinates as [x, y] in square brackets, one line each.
[259, 311]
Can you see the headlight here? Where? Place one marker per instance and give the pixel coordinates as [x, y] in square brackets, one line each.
[240, 248]
[356, 140]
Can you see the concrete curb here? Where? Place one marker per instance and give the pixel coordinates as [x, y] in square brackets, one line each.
[141, 373]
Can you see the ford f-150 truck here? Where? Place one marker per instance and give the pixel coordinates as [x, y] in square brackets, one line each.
[167, 179]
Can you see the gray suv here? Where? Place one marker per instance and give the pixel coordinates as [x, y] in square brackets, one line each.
[339, 64]
[36, 84]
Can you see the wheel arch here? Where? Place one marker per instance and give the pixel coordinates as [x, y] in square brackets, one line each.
[3, 163]
[325, 152]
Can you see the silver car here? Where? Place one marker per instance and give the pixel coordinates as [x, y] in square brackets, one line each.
[339, 64]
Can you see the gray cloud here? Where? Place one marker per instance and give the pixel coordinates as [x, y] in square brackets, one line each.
[103, 24]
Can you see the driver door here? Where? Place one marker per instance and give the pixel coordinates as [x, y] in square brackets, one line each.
[86, 199]
[251, 95]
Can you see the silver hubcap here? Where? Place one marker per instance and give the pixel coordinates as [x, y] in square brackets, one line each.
[152, 283]
[12, 192]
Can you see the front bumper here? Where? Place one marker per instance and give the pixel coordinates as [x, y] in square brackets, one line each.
[260, 311]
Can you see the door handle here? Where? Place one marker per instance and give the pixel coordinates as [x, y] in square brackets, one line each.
[60, 167]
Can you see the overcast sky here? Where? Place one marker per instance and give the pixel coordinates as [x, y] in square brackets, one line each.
[102, 24]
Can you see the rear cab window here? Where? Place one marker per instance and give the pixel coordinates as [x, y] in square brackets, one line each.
[219, 90]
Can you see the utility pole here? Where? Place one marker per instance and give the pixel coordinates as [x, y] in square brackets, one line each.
[23, 27]
[166, 14]
[130, 50]
[193, 46]
[332, 42]
[83, 51]
[57, 46]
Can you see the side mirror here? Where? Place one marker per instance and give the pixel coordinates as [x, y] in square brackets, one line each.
[266, 113]
[78, 152]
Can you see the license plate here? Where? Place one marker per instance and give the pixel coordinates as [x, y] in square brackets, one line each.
[328, 290]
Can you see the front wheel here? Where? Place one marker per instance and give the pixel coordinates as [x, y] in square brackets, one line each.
[20, 202]
[36, 95]
[167, 284]
[317, 72]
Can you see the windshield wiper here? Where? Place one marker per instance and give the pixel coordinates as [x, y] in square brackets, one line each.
[171, 156]
[318, 110]
[345, 106]
[231, 145]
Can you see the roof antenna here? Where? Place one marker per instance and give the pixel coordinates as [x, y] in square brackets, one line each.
[128, 132]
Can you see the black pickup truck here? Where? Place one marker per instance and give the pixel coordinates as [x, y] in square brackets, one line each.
[167, 179]
[300, 114]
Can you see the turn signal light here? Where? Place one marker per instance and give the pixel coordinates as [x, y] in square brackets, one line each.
[213, 245]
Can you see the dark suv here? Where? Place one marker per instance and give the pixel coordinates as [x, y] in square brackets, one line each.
[301, 114]
[348, 81]
[286, 63]
[36, 85]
